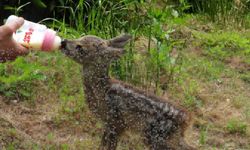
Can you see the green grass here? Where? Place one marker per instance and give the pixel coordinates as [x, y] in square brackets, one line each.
[18, 78]
[224, 44]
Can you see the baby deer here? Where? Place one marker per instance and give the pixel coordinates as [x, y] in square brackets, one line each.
[120, 106]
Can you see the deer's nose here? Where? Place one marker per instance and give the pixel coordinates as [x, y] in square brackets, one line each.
[63, 43]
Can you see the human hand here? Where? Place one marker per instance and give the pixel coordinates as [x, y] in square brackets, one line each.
[9, 48]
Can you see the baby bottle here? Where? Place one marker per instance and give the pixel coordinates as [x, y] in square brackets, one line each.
[35, 36]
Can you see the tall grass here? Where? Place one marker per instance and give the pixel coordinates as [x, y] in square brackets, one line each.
[103, 18]
[223, 11]
[110, 18]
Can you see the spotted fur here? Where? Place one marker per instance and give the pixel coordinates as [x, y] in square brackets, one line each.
[121, 106]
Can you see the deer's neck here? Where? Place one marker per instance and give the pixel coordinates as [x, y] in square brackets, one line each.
[96, 83]
[95, 76]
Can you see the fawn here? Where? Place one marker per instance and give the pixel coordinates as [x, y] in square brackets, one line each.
[120, 106]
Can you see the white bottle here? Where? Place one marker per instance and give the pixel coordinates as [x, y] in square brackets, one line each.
[35, 36]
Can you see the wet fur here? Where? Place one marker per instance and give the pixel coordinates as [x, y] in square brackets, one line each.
[121, 106]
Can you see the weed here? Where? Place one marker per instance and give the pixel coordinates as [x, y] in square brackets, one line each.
[240, 101]
[236, 126]
[245, 77]
[12, 132]
[50, 136]
[65, 147]
[203, 135]
[35, 147]
[247, 113]
[190, 93]
[11, 147]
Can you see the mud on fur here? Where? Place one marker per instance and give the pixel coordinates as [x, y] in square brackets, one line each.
[123, 107]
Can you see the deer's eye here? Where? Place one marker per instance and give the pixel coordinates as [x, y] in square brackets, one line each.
[78, 47]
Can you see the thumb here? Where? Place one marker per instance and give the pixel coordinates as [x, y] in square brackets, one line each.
[15, 24]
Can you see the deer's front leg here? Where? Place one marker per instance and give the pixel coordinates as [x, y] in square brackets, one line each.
[114, 125]
[110, 138]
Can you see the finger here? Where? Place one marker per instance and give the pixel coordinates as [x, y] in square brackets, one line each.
[5, 31]
[15, 24]
[21, 50]
[10, 27]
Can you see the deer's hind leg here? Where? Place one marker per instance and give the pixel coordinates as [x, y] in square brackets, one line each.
[157, 132]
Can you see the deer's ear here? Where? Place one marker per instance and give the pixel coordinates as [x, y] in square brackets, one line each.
[119, 41]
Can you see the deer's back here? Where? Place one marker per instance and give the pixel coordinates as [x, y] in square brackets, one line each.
[137, 108]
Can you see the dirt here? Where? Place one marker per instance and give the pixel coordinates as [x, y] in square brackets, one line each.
[24, 127]
[222, 103]
[237, 63]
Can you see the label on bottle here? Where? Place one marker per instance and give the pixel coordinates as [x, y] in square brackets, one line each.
[30, 38]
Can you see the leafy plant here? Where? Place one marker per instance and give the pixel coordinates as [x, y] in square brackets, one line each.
[160, 60]
[17, 78]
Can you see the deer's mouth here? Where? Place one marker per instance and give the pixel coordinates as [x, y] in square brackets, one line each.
[64, 47]
[63, 43]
